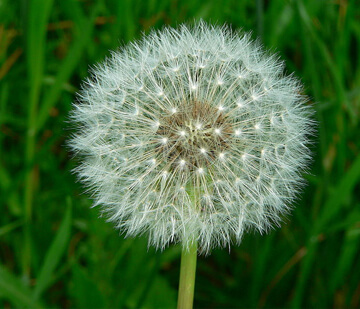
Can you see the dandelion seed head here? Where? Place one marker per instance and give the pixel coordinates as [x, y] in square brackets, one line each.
[192, 134]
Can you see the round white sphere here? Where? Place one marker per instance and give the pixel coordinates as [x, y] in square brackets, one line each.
[192, 134]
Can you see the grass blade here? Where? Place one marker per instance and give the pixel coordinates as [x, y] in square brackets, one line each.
[66, 69]
[54, 254]
[331, 208]
[347, 257]
[86, 293]
[14, 290]
[38, 15]
[10, 227]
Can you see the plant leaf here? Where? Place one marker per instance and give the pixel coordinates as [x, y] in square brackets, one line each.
[54, 254]
[15, 291]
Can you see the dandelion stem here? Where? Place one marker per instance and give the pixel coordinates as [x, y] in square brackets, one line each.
[187, 277]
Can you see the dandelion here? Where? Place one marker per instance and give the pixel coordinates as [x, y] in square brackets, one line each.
[192, 135]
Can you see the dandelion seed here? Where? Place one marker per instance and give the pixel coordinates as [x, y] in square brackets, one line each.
[189, 142]
[182, 133]
[237, 132]
[193, 86]
[156, 124]
[254, 97]
[240, 104]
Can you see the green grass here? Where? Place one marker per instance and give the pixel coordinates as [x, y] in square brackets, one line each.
[56, 252]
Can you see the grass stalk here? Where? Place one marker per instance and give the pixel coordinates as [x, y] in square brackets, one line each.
[38, 14]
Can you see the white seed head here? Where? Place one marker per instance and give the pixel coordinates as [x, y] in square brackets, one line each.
[172, 150]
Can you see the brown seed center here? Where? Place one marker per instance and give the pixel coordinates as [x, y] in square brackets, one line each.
[195, 134]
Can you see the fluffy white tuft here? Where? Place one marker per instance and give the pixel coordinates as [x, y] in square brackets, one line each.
[192, 134]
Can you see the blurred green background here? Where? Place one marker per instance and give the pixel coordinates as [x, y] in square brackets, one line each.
[56, 252]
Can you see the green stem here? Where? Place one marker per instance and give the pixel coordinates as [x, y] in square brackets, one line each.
[187, 277]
